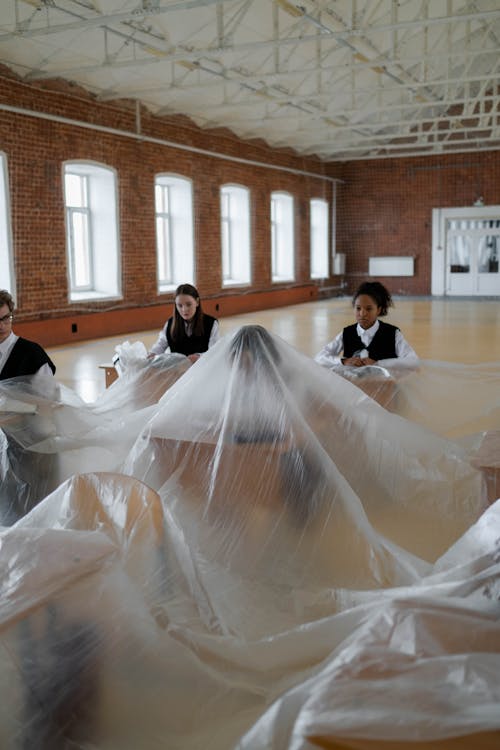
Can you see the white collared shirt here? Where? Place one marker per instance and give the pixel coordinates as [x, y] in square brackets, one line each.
[6, 347]
[161, 344]
[331, 353]
[366, 334]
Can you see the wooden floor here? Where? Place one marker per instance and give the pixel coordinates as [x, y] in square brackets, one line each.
[453, 330]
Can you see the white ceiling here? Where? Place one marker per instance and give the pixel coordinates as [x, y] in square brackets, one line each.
[337, 79]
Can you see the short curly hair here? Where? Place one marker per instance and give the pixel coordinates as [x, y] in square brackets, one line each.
[379, 294]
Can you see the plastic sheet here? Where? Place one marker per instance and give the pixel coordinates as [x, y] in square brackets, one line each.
[271, 559]
[454, 400]
[47, 433]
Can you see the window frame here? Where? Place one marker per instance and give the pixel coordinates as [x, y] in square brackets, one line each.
[102, 241]
[176, 251]
[324, 260]
[282, 233]
[236, 242]
[82, 211]
[7, 267]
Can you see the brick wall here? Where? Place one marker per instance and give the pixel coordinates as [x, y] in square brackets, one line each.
[385, 207]
[36, 149]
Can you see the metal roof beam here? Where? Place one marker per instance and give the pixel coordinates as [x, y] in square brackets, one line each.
[105, 19]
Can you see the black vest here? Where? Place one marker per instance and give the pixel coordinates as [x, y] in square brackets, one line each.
[26, 358]
[191, 344]
[383, 345]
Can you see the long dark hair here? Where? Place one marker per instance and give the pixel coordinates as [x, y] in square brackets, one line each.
[177, 330]
[378, 293]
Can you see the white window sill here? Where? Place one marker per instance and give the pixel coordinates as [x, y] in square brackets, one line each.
[85, 296]
[235, 282]
[168, 289]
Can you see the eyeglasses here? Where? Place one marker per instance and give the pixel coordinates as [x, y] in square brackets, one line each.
[6, 319]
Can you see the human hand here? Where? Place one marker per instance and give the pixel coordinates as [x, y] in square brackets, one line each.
[352, 361]
[193, 357]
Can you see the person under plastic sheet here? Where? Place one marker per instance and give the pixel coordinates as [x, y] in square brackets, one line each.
[48, 433]
[120, 629]
[23, 360]
[143, 380]
[26, 476]
[280, 563]
[97, 436]
[266, 444]
[18, 356]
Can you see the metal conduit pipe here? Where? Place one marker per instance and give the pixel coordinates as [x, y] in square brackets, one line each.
[159, 141]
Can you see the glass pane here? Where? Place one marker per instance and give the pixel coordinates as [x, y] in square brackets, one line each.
[224, 204]
[6, 261]
[75, 190]
[163, 199]
[80, 248]
[282, 237]
[460, 250]
[469, 225]
[174, 230]
[226, 250]
[488, 254]
[235, 234]
[319, 239]
[225, 211]
[164, 250]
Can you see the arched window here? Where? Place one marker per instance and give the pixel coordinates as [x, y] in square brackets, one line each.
[282, 237]
[6, 259]
[319, 238]
[174, 231]
[91, 231]
[235, 231]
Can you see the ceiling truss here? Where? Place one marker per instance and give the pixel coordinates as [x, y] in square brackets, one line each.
[328, 78]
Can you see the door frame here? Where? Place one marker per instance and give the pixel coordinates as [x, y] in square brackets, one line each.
[439, 218]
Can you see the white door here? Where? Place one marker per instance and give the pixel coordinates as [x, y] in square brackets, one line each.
[466, 250]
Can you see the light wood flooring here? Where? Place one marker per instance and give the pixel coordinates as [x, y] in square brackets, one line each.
[452, 330]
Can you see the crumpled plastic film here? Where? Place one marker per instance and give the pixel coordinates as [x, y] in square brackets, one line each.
[47, 433]
[264, 557]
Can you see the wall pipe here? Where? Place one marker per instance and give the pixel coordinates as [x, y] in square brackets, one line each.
[160, 141]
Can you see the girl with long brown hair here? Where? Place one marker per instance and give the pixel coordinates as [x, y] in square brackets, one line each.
[189, 330]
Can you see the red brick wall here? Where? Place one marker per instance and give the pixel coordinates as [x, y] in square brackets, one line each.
[81, 327]
[385, 207]
[36, 150]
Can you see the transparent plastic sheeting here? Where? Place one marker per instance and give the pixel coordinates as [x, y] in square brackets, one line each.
[47, 433]
[269, 559]
[453, 400]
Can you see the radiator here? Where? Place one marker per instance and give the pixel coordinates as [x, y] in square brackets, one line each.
[391, 265]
